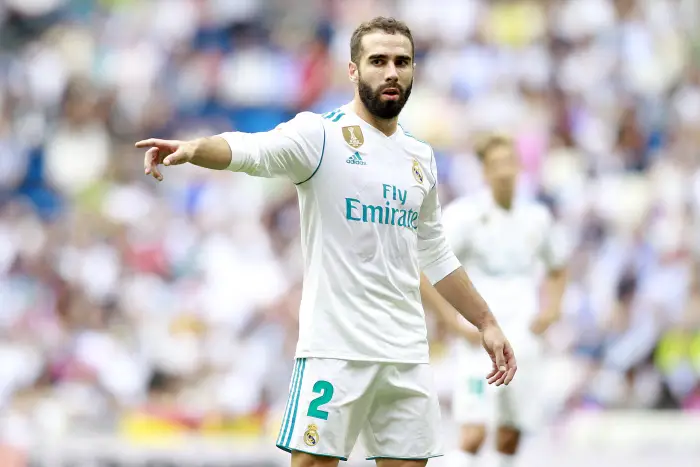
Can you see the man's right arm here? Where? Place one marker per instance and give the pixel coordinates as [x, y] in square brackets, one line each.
[294, 149]
[211, 153]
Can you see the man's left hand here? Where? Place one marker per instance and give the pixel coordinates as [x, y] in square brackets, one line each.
[501, 353]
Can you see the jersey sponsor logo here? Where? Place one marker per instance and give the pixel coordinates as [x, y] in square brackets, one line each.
[311, 436]
[353, 136]
[417, 172]
[355, 159]
[356, 211]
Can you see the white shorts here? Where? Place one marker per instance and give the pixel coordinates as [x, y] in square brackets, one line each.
[331, 402]
[475, 402]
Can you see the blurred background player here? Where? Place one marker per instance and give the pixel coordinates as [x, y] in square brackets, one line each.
[370, 222]
[503, 241]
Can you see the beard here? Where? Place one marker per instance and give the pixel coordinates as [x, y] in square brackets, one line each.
[384, 109]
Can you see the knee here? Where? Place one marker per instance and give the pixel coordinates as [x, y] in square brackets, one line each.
[507, 440]
[302, 459]
[472, 437]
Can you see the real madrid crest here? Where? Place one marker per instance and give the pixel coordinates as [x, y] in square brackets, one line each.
[353, 136]
[311, 435]
[417, 172]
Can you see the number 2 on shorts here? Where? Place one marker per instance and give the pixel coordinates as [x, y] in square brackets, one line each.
[325, 389]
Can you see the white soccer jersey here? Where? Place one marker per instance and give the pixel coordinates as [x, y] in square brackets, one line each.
[504, 251]
[370, 222]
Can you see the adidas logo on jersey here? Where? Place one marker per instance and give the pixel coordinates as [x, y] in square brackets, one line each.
[356, 159]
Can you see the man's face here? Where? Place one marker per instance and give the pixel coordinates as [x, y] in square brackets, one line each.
[384, 73]
[501, 168]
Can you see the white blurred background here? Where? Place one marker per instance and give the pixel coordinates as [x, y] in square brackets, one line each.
[144, 323]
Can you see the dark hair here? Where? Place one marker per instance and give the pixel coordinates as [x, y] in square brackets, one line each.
[486, 143]
[382, 24]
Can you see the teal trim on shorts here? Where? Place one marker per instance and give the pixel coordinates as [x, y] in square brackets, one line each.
[404, 458]
[293, 395]
[289, 450]
[293, 417]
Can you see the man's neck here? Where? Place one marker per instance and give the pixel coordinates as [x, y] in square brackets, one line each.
[503, 200]
[386, 126]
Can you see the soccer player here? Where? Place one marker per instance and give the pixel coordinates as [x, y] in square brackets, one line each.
[370, 222]
[504, 243]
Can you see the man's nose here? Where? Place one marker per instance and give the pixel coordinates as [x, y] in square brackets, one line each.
[390, 73]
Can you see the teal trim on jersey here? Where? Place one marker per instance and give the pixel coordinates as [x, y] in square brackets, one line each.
[289, 450]
[320, 160]
[293, 418]
[410, 135]
[432, 153]
[329, 115]
[404, 458]
[334, 116]
[290, 401]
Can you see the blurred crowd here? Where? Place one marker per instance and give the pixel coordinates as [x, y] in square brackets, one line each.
[156, 307]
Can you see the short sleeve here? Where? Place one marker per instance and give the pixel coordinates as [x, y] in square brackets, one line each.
[293, 150]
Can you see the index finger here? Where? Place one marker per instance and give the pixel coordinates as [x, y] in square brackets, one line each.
[497, 377]
[148, 143]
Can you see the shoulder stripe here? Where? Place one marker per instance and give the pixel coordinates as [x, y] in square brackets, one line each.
[410, 135]
[320, 160]
[338, 117]
[330, 115]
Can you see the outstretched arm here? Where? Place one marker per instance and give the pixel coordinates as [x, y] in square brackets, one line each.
[293, 149]
[211, 153]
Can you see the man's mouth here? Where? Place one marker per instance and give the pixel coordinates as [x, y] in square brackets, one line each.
[391, 93]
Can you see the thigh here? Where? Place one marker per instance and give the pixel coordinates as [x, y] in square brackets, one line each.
[404, 422]
[328, 403]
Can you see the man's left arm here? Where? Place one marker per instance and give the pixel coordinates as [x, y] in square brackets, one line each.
[554, 288]
[554, 254]
[445, 272]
